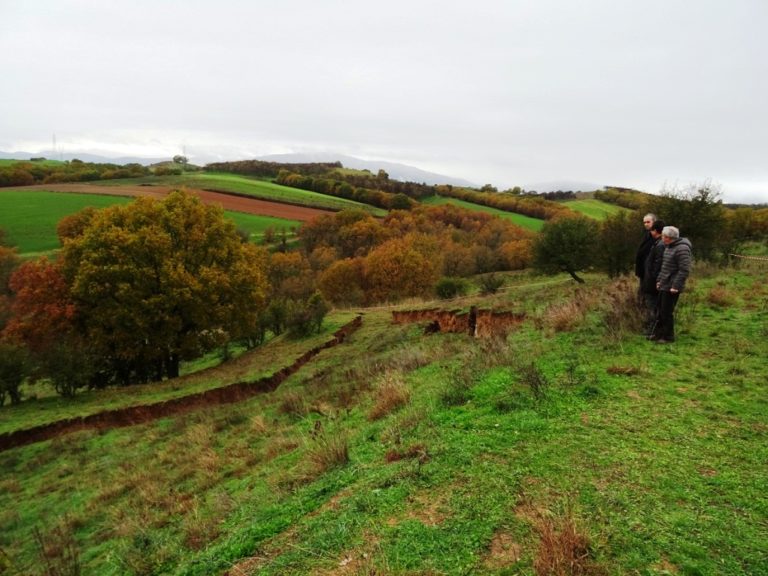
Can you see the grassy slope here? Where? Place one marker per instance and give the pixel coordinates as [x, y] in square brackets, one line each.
[656, 453]
[519, 219]
[30, 218]
[596, 209]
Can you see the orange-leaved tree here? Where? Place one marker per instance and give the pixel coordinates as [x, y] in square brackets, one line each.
[41, 309]
[156, 282]
[400, 268]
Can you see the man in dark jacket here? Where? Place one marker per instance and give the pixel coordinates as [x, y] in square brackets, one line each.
[652, 269]
[642, 251]
[675, 268]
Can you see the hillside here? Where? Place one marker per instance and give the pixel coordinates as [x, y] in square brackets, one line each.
[570, 441]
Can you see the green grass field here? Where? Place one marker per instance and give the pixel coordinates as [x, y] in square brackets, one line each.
[594, 208]
[30, 217]
[534, 224]
[573, 438]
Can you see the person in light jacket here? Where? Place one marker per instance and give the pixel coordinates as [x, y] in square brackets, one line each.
[675, 268]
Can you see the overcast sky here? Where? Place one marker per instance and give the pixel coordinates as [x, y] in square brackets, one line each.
[649, 94]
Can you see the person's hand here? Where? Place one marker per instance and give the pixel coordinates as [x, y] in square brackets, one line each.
[673, 290]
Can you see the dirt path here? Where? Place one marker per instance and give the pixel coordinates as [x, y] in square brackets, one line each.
[227, 200]
[132, 415]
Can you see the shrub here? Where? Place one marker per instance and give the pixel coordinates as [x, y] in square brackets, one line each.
[451, 287]
[305, 318]
[14, 366]
[532, 376]
[490, 283]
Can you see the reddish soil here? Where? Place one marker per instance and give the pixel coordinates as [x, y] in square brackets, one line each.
[477, 323]
[227, 200]
[132, 415]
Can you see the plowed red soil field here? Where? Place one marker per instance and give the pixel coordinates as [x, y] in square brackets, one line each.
[234, 202]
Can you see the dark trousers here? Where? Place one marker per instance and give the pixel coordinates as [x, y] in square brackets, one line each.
[650, 309]
[665, 328]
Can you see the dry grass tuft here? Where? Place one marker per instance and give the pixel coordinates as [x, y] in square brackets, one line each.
[414, 451]
[280, 445]
[623, 370]
[721, 297]
[259, 425]
[392, 393]
[622, 313]
[293, 404]
[563, 550]
[565, 316]
[328, 451]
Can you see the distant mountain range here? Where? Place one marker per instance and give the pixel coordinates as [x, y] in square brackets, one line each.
[85, 157]
[396, 171]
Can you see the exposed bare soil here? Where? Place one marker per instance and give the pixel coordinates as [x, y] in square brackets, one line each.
[477, 323]
[227, 200]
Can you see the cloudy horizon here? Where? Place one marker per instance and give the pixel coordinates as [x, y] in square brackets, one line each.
[653, 95]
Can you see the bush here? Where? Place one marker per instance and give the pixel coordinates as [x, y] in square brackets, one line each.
[14, 366]
[305, 318]
[490, 283]
[451, 287]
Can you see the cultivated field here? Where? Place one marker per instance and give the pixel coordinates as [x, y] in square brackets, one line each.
[29, 215]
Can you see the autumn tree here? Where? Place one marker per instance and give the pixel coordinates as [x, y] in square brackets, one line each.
[566, 245]
[400, 268]
[342, 282]
[9, 260]
[157, 282]
[41, 310]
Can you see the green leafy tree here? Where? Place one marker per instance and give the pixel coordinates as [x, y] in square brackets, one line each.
[157, 282]
[619, 236]
[566, 245]
[700, 216]
[14, 367]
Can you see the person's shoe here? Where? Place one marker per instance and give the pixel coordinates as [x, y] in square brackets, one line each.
[664, 341]
[652, 337]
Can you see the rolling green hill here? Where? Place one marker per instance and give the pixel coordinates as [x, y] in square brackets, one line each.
[596, 209]
[521, 220]
[571, 440]
[30, 217]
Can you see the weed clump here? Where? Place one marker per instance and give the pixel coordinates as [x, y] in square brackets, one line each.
[392, 393]
[720, 297]
[563, 550]
[327, 452]
[623, 314]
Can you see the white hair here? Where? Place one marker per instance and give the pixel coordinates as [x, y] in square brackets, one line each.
[670, 232]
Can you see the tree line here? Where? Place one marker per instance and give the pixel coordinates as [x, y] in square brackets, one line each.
[575, 244]
[29, 173]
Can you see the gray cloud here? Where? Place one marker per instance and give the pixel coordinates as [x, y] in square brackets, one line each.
[508, 92]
